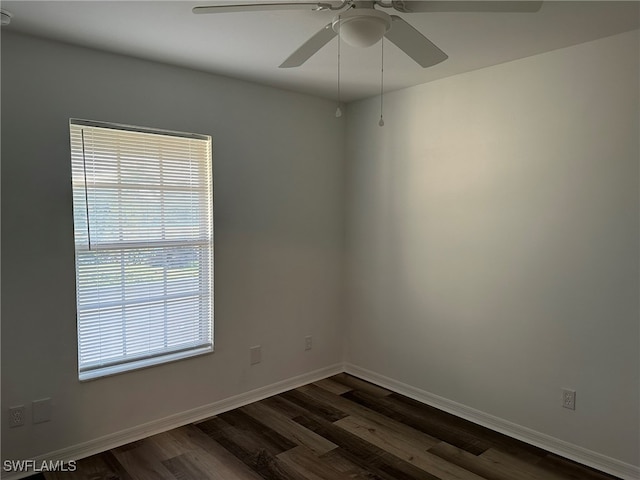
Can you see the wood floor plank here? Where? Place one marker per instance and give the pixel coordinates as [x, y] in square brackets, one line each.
[356, 410]
[365, 454]
[355, 383]
[213, 456]
[338, 460]
[323, 410]
[571, 470]
[143, 462]
[494, 465]
[381, 468]
[396, 468]
[332, 386]
[114, 467]
[200, 466]
[529, 471]
[390, 407]
[285, 407]
[244, 445]
[409, 450]
[473, 463]
[286, 427]
[186, 467]
[345, 440]
[269, 438]
[488, 437]
[169, 446]
[251, 447]
[311, 467]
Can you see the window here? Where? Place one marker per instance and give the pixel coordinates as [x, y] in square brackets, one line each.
[143, 229]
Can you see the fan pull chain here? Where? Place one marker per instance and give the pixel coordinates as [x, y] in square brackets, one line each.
[381, 122]
[339, 110]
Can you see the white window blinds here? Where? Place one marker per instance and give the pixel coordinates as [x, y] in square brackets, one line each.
[142, 206]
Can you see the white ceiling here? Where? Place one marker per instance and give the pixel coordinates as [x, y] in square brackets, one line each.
[250, 46]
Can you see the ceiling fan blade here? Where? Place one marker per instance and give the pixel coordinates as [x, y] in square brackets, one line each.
[467, 6]
[414, 44]
[258, 7]
[310, 47]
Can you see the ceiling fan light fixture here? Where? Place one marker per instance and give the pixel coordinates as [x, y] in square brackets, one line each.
[5, 17]
[362, 28]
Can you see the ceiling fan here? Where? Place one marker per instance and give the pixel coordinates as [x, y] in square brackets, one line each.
[361, 24]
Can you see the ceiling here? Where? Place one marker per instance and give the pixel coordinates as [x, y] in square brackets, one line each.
[250, 46]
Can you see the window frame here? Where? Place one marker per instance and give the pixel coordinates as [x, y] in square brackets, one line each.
[155, 356]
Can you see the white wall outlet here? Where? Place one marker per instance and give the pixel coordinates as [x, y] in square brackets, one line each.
[41, 410]
[16, 416]
[255, 354]
[308, 342]
[569, 398]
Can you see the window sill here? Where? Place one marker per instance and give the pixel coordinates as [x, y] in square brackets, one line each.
[101, 372]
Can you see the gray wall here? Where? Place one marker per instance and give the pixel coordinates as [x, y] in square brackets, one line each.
[278, 168]
[492, 228]
[491, 225]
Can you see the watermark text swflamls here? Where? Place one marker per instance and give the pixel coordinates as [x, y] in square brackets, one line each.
[37, 466]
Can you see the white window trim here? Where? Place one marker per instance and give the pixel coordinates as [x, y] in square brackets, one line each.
[154, 356]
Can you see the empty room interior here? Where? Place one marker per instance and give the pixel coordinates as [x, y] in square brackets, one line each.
[336, 242]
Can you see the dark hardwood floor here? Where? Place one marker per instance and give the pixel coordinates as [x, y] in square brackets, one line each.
[340, 428]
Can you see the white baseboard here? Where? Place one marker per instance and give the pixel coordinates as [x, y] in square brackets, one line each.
[581, 455]
[107, 442]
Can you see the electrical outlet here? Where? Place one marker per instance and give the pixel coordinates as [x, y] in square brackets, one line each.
[569, 398]
[41, 410]
[308, 342]
[16, 416]
[255, 354]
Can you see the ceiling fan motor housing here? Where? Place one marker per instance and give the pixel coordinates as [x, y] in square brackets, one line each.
[362, 27]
